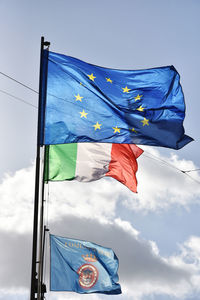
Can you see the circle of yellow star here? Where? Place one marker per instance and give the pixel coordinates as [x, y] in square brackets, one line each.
[145, 122]
[78, 98]
[116, 129]
[92, 77]
[138, 97]
[83, 114]
[108, 80]
[126, 90]
[97, 126]
[140, 108]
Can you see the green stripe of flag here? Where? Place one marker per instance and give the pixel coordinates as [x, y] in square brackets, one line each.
[60, 163]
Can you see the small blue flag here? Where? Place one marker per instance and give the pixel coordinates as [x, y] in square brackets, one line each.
[88, 103]
[82, 267]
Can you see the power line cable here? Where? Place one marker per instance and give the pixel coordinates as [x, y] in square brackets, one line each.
[197, 181]
[24, 85]
[160, 160]
[172, 166]
[17, 98]
[191, 171]
[168, 164]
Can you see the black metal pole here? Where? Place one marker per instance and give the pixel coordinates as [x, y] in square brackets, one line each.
[43, 286]
[37, 181]
[41, 236]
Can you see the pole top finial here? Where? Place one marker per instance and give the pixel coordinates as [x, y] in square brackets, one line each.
[46, 44]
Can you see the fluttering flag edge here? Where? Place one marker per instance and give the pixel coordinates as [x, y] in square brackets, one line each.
[115, 291]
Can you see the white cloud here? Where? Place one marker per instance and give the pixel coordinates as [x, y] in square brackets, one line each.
[95, 200]
[142, 270]
[72, 296]
[161, 185]
[12, 294]
[17, 194]
[89, 211]
[159, 188]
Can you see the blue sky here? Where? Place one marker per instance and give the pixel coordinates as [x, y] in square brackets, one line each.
[160, 223]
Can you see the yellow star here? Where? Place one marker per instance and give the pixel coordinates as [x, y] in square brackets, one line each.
[78, 98]
[83, 114]
[145, 122]
[97, 126]
[116, 129]
[126, 90]
[140, 108]
[108, 80]
[92, 77]
[133, 129]
[138, 97]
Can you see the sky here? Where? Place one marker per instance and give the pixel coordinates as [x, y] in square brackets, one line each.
[155, 233]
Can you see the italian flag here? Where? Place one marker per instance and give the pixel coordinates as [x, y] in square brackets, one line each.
[91, 161]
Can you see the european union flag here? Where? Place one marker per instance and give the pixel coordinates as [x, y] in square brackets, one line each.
[88, 103]
[82, 267]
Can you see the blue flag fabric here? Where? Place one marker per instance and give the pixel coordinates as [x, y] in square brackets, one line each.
[88, 103]
[82, 267]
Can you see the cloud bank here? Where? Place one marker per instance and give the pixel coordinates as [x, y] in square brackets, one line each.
[89, 211]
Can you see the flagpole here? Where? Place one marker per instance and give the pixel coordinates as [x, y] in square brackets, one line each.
[41, 287]
[37, 178]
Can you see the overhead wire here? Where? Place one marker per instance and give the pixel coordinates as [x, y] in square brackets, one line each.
[172, 166]
[19, 82]
[17, 98]
[22, 84]
[197, 181]
[191, 170]
[160, 160]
